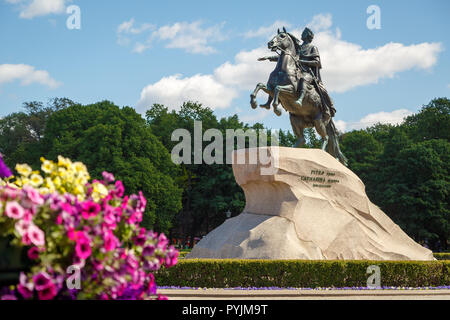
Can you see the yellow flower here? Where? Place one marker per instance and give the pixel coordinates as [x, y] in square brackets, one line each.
[80, 168]
[57, 182]
[99, 191]
[64, 162]
[44, 190]
[78, 190]
[47, 166]
[36, 180]
[24, 169]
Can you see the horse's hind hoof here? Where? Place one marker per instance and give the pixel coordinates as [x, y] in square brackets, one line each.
[265, 106]
[277, 112]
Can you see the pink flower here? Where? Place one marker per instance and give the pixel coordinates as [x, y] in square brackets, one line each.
[162, 241]
[120, 189]
[83, 246]
[25, 288]
[109, 177]
[33, 253]
[48, 293]
[90, 209]
[110, 242]
[42, 281]
[36, 235]
[33, 195]
[22, 226]
[14, 210]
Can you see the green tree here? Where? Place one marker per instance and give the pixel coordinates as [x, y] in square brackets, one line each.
[209, 190]
[21, 132]
[362, 151]
[118, 140]
[416, 194]
[432, 122]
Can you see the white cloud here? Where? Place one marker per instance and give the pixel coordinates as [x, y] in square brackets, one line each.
[172, 91]
[34, 8]
[128, 27]
[320, 22]
[394, 117]
[127, 30]
[256, 116]
[27, 75]
[267, 31]
[341, 125]
[191, 37]
[246, 71]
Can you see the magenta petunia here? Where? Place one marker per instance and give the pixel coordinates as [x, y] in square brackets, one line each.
[33, 253]
[42, 281]
[110, 242]
[48, 293]
[83, 247]
[14, 210]
[120, 189]
[90, 209]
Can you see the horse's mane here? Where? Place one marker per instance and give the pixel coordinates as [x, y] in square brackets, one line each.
[295, 41]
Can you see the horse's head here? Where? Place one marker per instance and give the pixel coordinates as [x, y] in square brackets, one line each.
[282, 41]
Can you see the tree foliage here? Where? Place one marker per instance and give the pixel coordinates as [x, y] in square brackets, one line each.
[406, 170]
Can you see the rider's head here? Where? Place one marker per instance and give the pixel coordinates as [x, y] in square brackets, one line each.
[307, 35]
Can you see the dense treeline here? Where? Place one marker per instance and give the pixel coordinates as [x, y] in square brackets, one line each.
[405, 167]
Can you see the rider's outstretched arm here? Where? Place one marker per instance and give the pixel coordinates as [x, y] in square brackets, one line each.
[273, 58]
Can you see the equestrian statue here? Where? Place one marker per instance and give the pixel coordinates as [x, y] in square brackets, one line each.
[296, 84]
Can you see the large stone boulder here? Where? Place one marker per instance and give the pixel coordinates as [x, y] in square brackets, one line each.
[309, 207]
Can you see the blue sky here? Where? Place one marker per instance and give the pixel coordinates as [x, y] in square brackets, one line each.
[140, 52]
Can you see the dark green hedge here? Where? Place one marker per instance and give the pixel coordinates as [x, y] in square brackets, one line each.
[442, 256]
[301, 273]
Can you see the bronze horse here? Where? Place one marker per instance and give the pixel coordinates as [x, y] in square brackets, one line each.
[282, 87]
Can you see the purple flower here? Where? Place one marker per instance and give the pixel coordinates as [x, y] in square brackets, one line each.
[5, 172]
[148, 250]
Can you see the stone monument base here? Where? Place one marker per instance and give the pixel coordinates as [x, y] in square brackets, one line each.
[309, 207]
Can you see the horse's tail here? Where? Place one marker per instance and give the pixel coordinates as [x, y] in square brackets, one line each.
[333, 143]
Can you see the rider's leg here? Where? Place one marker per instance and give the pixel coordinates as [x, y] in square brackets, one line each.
[301, 91]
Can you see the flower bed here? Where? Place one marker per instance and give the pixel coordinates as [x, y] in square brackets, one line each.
[82, 237]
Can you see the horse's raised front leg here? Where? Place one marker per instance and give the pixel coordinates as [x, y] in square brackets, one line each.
[253, 102]
[276, 102]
